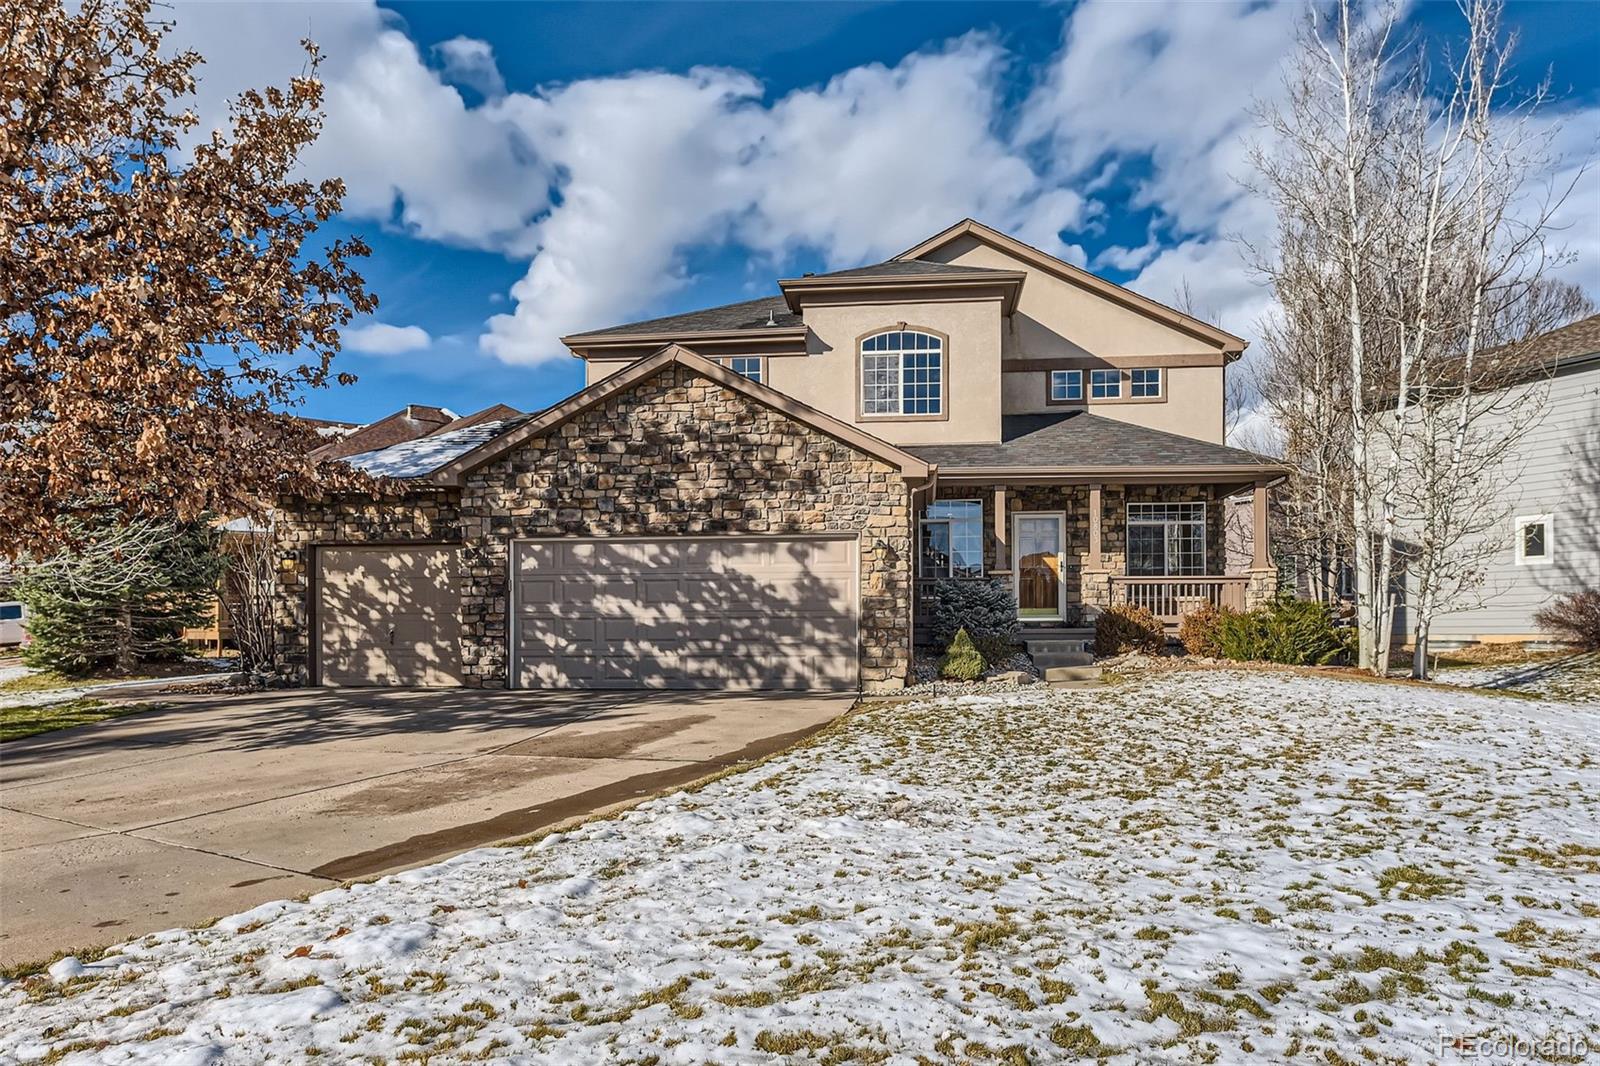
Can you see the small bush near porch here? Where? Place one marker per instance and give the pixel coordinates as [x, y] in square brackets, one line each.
[1127, 627]
[987, 610]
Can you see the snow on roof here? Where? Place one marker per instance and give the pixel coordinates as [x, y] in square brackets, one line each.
[421, 457]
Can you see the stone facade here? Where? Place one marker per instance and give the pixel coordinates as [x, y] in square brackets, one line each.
[675, 454]
[430, 517]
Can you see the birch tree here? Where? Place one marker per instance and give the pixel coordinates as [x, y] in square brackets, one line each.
[1409, 245]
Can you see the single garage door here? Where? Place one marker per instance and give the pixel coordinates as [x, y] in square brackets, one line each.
[685, 612]
[388, 616]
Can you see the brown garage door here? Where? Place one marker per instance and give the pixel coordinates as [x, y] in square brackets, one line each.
[685, 612]
[388, 616]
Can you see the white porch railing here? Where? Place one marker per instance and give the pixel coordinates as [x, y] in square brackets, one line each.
[1170, 598]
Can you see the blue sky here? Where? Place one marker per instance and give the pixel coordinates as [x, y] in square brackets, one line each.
[526, 170]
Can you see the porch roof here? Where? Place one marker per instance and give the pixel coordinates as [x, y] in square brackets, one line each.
[1079, 445]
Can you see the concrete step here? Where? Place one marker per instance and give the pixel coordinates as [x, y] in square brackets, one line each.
[1054, 674]
[1075, 684]
[1037, 648]
[1047, 661]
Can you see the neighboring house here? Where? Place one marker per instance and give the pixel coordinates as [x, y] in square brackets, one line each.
[757, 495]
[1549, 543]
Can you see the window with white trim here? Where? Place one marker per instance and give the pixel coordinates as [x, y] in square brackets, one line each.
[748, 365]
[1066, 385]
[1105, 384]
[902, 373]
[1144, 382]
[952, 539]
[1166, 539]
[1535, 540]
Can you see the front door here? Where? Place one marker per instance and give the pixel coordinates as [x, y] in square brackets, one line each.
[1039, 562]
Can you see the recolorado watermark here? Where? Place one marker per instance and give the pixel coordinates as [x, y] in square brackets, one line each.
[1557, 1047]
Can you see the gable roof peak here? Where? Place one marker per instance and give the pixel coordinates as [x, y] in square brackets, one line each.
[1230, 344]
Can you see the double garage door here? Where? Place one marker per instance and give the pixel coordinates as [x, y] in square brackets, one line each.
[685, 612]
[670, 612]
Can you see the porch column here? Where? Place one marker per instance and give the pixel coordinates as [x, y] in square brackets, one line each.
[1092, 559]
[1002, 532]
[1263, 556]
[1096, 580]
[1262, 585]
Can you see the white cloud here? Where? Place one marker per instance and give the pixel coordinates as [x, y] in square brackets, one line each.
[380, 338]
[470, 62]
[654, 164]
[411, 152]
[606, 186]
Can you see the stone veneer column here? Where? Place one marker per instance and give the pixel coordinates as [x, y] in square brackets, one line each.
[1263, 576]
[1096, 578]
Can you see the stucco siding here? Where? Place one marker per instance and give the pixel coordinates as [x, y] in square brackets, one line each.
[1191, 404]
[1056, 319]
[828, 379]
[1556, 471]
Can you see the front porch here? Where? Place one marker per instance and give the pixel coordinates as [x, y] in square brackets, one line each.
[1072, 548]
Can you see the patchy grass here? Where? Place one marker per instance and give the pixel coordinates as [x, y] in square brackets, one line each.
[27, 721]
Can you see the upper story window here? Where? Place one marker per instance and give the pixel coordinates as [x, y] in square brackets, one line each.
[1166, 538]
[952, 539]
[1535, 543]
[1145, 382]
[748, 365]
[1066, 385]
[1105, 384]
[902, 373]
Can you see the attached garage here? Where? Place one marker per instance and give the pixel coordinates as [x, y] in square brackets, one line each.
[675, 526]
[731, 612]
[388, 615]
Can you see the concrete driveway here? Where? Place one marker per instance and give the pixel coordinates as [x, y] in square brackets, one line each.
[218, 803]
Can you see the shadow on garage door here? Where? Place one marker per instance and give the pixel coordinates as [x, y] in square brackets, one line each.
[729, 612]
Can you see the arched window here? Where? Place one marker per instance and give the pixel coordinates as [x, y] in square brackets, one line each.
[902, 373]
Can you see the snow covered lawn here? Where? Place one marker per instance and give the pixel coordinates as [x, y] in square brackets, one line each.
[1572, 677]
[1190, 866]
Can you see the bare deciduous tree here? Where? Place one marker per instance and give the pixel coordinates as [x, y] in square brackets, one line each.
[1408, 246]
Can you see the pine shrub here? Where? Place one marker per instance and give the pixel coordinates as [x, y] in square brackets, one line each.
[1574, 617]
[1289, 631]
[1127, 627]
[963, 661]
[987, 610]
[123, 595]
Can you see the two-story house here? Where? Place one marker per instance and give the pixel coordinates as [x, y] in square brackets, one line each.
[754, 495]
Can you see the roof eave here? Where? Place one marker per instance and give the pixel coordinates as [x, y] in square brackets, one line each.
[1008, 280]
[1135, 474]
[621, 340]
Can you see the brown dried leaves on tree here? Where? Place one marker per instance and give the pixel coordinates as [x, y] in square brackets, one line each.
[157, 297]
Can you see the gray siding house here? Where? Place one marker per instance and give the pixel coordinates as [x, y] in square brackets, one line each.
[1550, 543]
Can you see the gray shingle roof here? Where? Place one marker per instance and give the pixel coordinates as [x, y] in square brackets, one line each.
[421, 457]
[750, 314]
[1548, 350]
[1078, 439]
[916, 268]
